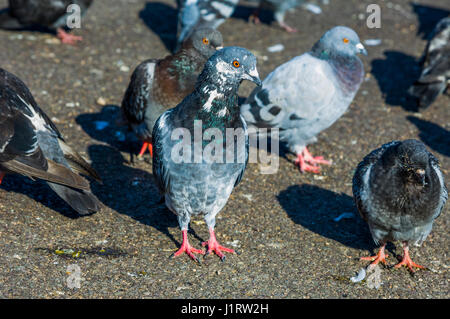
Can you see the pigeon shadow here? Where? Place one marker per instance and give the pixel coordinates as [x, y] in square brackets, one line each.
[40, 192]
[394, 75]
[433, 135]
[103, 127]
[130, 191]
[428, 18]
[315, 208]
[161, 19]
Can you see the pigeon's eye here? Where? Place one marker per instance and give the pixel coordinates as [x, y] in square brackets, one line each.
[236, 63]
[345, 40]
[205, 41]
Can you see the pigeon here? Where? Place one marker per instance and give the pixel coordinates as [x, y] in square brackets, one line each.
[435, 77]
[307, 94]
[399, 191]
[279, 8]
[202, 183]
[158, 85]
[52, 14]
[31, 145]
[196, 14]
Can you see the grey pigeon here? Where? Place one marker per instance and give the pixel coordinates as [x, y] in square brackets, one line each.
[201, 180]
[196, 14]
[435, 76]
[307, 94]
[399, 191]
[158, 85]
[279, 8]
[42, 13]
[31, 145]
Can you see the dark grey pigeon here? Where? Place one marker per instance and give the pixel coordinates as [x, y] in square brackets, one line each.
[399, 191]
[195, 175]
[280, 7]
[435, 76]
[158, 85]
[307, 94]
[23, 14]
[31, 145]
[195, 14]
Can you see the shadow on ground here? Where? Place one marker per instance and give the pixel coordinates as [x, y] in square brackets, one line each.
[433, 135]
[162, 20]
[428, 18]
[394, 75]
[315, 208]
[130, 191]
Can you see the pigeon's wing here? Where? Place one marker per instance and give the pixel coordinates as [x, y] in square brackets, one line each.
[294, 94]
[188, 17]
[361, 177]
[436, 71]
[161, 133]
[135, 100]
[38, 12]
[444, 192]
[246, 150]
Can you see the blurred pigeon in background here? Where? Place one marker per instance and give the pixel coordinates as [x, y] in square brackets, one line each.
[435, 76]
[279, 8]
[52, 14]
[158, 85]
[201, 180]
[194, 14]
[31, 145]
[399, 191]
[307, 94]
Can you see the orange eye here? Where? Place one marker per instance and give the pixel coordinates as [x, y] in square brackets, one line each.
[345, 40]
[236, 63]
[205, 41]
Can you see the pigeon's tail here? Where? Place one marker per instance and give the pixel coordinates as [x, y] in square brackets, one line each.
[83, 202]
[426, 93]
[8, 22]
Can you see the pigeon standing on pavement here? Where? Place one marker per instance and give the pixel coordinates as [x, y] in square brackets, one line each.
[201, 180]
[279, 8]
[399, 191]
[31, 145]
[196, 14]
[158, 85]
[435, 77]
[307, 94]
[52, 14]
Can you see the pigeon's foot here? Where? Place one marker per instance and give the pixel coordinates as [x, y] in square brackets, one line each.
[381, 256]
[406, 261]
[213, 245]
[144, 148]
[2, 174]
[68, 38]
[188, 249]
[287, 28]
[254, 17]
[308, 163]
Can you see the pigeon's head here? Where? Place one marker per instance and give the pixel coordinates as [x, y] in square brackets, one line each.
[232, 65]
[341, 41]
[206, 41]
[413, 160]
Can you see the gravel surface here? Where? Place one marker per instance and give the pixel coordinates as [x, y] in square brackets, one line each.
[282, 224]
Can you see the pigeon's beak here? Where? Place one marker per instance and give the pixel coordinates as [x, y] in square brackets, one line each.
[219, 48]
[361, 49]
[420, 176]
[253, 76]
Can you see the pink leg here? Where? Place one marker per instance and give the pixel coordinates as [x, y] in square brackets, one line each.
[187, 248]
[407, 260]
[67, 38]
[2, 175]
[380, 256]
[254, 17]
[287, 28]
[305, 157]
[144, 147]
[213, 245]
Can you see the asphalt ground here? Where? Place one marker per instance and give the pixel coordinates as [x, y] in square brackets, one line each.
[282, 224]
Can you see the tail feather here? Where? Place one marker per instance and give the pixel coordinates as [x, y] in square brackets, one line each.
[83, 202]
[426, 93]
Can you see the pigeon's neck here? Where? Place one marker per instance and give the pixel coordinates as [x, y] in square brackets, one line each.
[187, 64]
[348, 69]
[218, 104]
